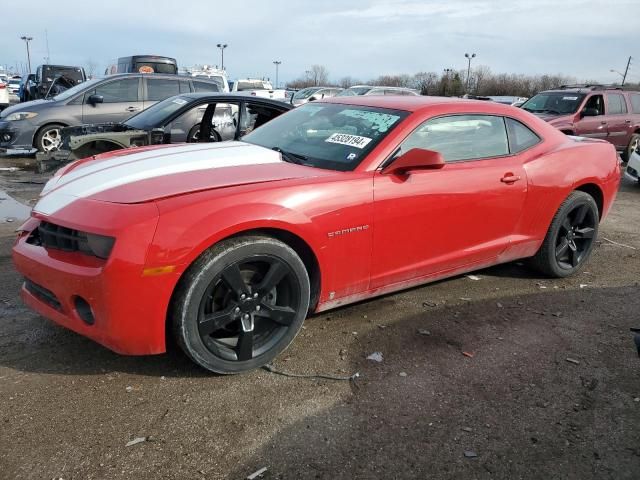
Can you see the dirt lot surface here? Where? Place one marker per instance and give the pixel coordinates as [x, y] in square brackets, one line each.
[511, 376]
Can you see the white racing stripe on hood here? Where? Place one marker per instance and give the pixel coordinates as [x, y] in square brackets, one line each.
[110, 173]
[132, 157]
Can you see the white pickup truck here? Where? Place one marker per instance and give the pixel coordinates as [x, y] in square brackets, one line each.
[257, 88]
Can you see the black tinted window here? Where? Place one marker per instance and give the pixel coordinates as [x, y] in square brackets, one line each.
[635, 102]
[125, 90]
[520, 137]
[161, 88]
[205, 86]
[617, 104]
[461, 137]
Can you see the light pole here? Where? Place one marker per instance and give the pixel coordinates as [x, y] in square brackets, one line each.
[469, 57]
[447, 72]
[277, 63]
[222, 46]
[27, 40]
[619, 73]
[626, 71]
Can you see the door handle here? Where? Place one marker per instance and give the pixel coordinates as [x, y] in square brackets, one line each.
[132, 109]
[627, 121]
[510, 178]
[603, 123]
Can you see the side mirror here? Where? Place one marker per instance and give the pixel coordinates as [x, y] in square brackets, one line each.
[94, 99]
[590, 112]
[415, 159]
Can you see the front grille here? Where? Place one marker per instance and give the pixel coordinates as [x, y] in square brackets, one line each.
[50, 235]
[47, 296]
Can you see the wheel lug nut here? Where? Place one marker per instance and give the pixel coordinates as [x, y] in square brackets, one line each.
[237, 309]
[245, 316]
[243, 296]
[257, 308]
[255, 295]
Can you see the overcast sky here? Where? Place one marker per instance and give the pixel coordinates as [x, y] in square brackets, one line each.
[359, 38]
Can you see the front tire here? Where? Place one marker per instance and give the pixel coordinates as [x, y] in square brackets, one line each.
[49, 138]
[634, 145]
[570, 238]
[194, 135]
[240, 304]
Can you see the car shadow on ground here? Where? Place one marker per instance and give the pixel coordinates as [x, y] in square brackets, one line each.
[541, 387]
[40, 346]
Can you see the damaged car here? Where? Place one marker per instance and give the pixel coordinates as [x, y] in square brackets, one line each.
[177, 119]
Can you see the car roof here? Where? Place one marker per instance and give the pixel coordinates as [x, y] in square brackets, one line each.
[234, 96]
[411, 103]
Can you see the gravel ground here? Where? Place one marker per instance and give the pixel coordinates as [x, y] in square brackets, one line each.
[509, 376]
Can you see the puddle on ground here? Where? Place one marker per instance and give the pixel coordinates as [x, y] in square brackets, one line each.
[11, 210]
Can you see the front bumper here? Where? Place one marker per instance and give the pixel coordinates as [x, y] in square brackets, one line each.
[632, 172]
[128, 309]
[16, 134]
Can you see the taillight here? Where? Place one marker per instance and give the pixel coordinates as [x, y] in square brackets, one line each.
[2, 85]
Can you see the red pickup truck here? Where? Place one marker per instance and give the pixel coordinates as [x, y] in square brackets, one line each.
[594, 111]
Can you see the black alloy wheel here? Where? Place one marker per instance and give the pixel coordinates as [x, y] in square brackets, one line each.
[248, 308]
[575, 236]
[570, 238]
[241, 304]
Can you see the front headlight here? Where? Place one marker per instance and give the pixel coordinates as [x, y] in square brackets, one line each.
[98, 245]
[14, 117]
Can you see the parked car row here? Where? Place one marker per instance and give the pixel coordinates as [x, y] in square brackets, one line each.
[113, 99]
[178, 119]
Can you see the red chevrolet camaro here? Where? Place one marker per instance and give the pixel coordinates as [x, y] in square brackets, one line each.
[229, 246]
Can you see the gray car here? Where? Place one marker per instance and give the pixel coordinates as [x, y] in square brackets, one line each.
[311, 94]
[112, 99]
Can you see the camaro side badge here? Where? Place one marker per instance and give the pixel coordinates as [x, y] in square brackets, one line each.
[337, 233]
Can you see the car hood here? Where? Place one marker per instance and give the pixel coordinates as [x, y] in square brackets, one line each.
[139, 175]
[25, 107]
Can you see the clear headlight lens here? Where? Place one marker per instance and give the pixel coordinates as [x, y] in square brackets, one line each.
[16, 116]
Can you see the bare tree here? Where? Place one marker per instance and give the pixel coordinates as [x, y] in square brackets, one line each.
[319, 75]
[426, 82]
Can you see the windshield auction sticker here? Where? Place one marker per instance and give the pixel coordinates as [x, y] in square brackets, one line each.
[349, 140]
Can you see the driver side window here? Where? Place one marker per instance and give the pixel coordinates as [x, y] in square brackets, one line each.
[596, 102]
[461, 137]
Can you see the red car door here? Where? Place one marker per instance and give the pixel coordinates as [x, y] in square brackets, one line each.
[593, 125]
[438, 220]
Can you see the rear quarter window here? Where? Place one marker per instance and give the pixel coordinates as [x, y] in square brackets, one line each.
[617, 104]
[521, 137]
[635, 102]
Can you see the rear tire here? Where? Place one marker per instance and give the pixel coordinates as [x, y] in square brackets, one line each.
[240, 304]
[570, 238]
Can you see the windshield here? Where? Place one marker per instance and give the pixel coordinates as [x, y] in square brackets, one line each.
[350, 92]
[329, 136]
[556, 103]
[305, 93]
[157, 113]
[77, 89]
[252, 85]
